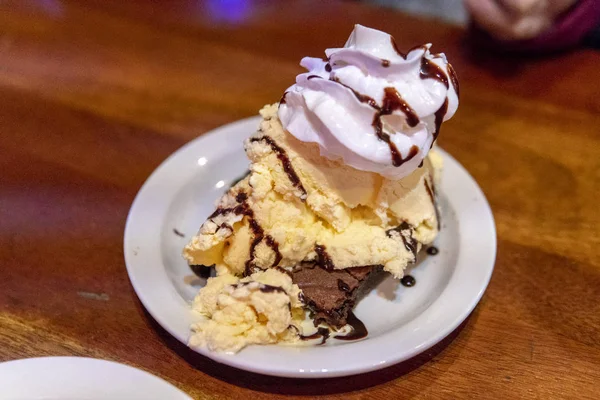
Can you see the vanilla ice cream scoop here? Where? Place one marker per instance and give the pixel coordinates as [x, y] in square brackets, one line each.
[370, 105]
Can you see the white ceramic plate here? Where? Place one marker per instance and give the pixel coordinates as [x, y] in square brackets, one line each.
[402, 322]
[78, 378]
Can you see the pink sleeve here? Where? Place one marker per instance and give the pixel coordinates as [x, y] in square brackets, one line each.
[568, 31]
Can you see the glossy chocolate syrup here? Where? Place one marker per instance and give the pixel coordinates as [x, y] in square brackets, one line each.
[323, 259]
[408, 281]
[431, 193]
[175, 231]
[201, 271]
[430, 70]
[439, 118]
[432, 251]
[285, 161]
[359, 330]
[343, 286]
[454, 80]
[405, 230]
[271, 289]
[385, 63]
[322, 333]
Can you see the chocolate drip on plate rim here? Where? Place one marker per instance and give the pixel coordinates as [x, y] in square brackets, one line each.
[359, 330]
[408, 281]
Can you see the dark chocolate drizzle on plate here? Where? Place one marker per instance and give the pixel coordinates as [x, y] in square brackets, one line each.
[322, 333]
[328, 67]
[285, 161]
[359, 330]
[432, 251]
[175, 231]
[408, 281]
[385, 63]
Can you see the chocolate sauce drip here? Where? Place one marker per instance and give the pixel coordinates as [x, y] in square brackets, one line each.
[313, 77]
[285, 161]
[201, 271]
[282, 100]
[385, 63]
[432, 251]
[430, 70]
[323, 259]
[241, 197]
[418, 47]
[257, 231]
[421, 164]
[408, 281]
[439, 118]
[343, 286]
[395, 46]
[322, 333]
[406, 233]
[454, 79]
[328, 67]
[359, 330]
[431, 193]
[275, 247]
[363, 98]
[393, 101]
[175, 231]
[259, 235]
[271, 289]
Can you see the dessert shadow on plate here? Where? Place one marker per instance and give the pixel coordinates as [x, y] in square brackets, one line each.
[318, 386]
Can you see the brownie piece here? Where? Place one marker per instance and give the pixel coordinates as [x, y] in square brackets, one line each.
[331, 294]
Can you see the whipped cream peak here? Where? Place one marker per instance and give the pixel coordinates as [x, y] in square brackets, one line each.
[371, 106]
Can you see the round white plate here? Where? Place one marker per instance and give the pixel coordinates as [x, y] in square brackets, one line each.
[402, 322]
[78, 378]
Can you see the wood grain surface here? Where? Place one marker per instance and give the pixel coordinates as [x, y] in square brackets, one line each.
[95, 94]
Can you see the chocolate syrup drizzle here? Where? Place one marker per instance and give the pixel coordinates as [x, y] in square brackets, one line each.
[322, 333]
[393, 101]
[323, 259]
[408, 281]
[454, 79]
[285, 162]
[431, 193]
[359, 330]
[258, 232]
[405, 230]
[432, 251]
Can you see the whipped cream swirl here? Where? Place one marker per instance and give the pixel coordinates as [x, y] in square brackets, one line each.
[370, 105]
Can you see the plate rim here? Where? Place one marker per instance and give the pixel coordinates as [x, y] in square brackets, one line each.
[88, 366]
[239, 362]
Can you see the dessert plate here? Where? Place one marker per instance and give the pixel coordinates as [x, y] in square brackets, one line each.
[402, 321]
[69, 378]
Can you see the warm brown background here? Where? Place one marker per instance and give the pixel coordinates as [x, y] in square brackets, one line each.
[94, 95]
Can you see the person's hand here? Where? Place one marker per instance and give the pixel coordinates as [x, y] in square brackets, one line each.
[516, 19]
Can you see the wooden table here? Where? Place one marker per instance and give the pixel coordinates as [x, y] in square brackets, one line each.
[95, 94]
